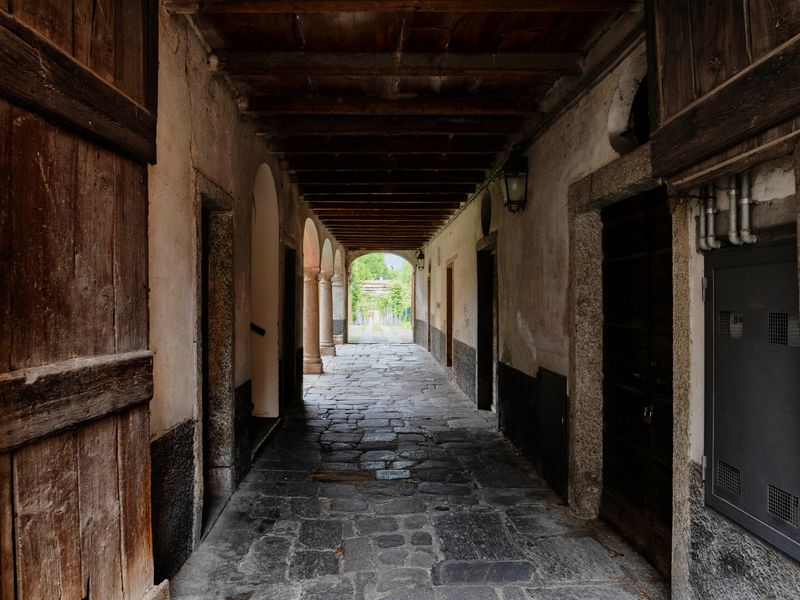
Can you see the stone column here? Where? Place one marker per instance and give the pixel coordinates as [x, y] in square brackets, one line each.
[312, 363]
[338, 308]
[326, 345]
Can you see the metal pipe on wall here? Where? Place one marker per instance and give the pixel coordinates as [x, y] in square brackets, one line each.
[701, 235]
[711, 236]
[733, 212]
[745, 202]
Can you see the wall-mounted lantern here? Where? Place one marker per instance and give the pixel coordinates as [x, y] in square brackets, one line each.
[515, 180]
[421, 260]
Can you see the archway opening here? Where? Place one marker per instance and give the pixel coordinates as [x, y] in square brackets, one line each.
[264, 301]
[380, 299]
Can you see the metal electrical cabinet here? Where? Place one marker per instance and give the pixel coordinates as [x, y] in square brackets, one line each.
[753, 391]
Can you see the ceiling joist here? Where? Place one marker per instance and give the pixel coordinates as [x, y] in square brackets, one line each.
[377, 64]
[193, 7]
[355, 125]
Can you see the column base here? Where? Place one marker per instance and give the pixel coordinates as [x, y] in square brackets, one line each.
[312, 365]
[338, 339]
[327, 350]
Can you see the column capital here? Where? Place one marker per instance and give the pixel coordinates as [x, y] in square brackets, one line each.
[310, 273]
[325, 276]
[337, 279]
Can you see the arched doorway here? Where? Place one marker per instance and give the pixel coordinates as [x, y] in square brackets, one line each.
[264, 299]
[312, 363]
[380, 295]
[326, 345]
[339, 299]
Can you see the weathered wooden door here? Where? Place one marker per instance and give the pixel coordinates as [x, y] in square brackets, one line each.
[449, 317]
[77, 129]
[637, 369]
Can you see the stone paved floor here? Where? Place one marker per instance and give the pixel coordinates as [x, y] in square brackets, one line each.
[379, 334]
[430, 504]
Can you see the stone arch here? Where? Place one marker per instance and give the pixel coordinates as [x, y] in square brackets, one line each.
[326, 262]
[264, 299]
[311, 253]
[339, 284]
[312, 363]
[623, 114]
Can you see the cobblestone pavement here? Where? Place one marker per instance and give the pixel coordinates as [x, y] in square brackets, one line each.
[392, 486]
[379, 334]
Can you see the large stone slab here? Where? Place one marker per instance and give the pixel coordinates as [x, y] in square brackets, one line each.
[474, 536]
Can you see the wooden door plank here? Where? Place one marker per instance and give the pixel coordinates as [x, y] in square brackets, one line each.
[40, 401]
[95, 36]
[719, 42]
[98, 484]
[130, 257]
[6, 530]
[6, 249]
[674, 42]
[51, 20]
[131, 51]
[93, 290]
[46, 522]
[134, 493]
[37, 74]
[43, 191]
[772, 22]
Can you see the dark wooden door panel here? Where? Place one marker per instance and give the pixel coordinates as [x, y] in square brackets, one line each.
[637, 368]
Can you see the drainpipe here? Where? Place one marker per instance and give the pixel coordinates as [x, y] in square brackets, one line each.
[733, 213]
[711, 236]
[745, 202]
[701, 237]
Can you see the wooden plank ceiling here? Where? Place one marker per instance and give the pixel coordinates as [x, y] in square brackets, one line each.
[390, 113]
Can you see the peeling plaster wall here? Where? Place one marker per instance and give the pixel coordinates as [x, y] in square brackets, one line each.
[533, 245]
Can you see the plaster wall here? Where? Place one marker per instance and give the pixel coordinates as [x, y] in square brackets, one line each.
[532, 245]
[200, 135]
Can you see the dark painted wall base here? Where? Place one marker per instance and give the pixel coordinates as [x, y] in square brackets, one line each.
[242, 425]
[421, 333]
[338, 327]
[172, 497]
[438, 345]
[532, 413]
[464, 368]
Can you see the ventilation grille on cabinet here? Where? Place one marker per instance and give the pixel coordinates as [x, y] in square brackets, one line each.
[731, 324]
[784, 505]
[729, 478]
[784, 329]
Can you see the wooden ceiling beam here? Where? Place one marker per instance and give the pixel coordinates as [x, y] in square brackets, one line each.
[348, 189]
[380, 64]
[389, 145]
[299, 104]
[388, 125]
[193, 7]
[374, 162]
[404, 200]
[401, 177]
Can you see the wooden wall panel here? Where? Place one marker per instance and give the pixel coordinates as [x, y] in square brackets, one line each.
[43, 196]
[130, 39]
[675, 41]
[47, 522]
[93, 292]
[95, 34]
[772, 22]
[718, 40]
[52, 19]
[5, 236]
[134, 493]
[6, 530]
[130, 257]
[101, 561]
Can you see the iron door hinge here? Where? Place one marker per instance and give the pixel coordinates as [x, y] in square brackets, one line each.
[704, 287]
[703, 472]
